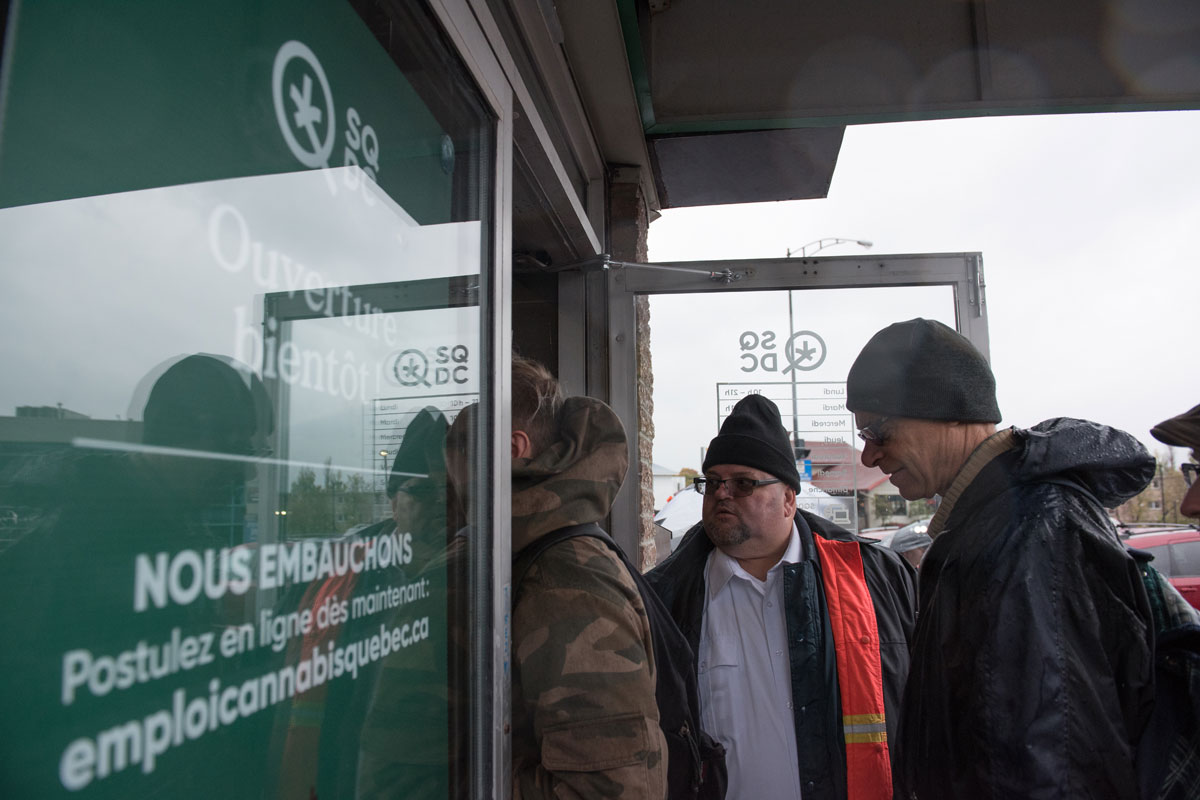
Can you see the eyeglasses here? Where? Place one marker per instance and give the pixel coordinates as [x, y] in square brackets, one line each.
[738, 487]
[873, 433]
[1189, 473]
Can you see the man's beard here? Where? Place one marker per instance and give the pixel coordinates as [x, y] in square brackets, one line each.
[727, 533]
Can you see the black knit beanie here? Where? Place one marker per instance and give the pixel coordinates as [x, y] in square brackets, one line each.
[200, 403]
[420, 450]
[753, 436]
[922, 369]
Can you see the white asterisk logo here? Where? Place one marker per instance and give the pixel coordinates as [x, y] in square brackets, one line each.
[306, 114]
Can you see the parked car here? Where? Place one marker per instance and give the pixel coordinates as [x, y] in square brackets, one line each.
[1177, 556]
[885, 535]
[911, 542]
[879, 533]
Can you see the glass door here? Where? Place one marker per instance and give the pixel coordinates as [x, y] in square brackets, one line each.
[787, 329]
[249, 289]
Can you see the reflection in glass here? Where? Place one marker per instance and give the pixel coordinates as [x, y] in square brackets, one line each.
[228, 554]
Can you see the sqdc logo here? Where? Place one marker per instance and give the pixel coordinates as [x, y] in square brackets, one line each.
[437, 366]
[307, 119]
[804, 351]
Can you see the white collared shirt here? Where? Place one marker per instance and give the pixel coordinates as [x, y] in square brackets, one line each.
[745, 677]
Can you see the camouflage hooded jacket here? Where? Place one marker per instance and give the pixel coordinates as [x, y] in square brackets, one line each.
[585, 721]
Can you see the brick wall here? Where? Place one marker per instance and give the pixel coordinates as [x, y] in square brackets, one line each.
[628, 230]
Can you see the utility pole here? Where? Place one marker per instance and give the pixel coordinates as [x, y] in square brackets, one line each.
[1162, 490]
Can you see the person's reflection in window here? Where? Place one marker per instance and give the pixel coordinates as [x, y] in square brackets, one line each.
[100, 508]
[417, 484]
[405, 751]
[461, 456]
[203, 405]
[196, 407]
[376, 733]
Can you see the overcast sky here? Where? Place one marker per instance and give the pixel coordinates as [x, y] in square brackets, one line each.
[1087, 225]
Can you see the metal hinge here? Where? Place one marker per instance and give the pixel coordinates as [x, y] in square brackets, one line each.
[978, 285]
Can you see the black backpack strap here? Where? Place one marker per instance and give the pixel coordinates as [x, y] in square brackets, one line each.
[525, 559]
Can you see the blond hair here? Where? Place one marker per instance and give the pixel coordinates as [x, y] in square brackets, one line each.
[536, 400]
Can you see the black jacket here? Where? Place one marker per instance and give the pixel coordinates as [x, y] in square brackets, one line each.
[1031, 672]
[679, 581]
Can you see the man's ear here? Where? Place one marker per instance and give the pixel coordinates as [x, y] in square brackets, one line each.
[522, 447]
[789, 501]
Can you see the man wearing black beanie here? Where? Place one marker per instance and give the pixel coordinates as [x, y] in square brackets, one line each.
[801, 629]
[1031, 662]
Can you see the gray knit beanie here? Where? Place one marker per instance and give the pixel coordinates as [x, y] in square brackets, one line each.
[922, 369]
[753, 436]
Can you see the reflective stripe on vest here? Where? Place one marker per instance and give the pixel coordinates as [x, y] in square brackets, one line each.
[860, 670]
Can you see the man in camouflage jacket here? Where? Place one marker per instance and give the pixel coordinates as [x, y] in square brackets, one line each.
[585, 720]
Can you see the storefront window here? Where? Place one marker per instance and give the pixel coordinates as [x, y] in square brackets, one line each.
[247, 266]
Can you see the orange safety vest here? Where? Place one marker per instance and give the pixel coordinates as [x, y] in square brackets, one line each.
[860, 671]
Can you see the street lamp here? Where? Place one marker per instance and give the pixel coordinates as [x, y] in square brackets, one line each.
[383, 457]
[820, 244]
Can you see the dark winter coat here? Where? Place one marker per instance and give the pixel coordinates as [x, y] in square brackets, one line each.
[821, 754]
[1032, 664]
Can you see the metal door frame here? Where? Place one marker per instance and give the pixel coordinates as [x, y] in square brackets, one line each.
[491, 750]
[961, 271]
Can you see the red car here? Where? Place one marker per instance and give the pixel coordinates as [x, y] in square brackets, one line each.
[1176, 555]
